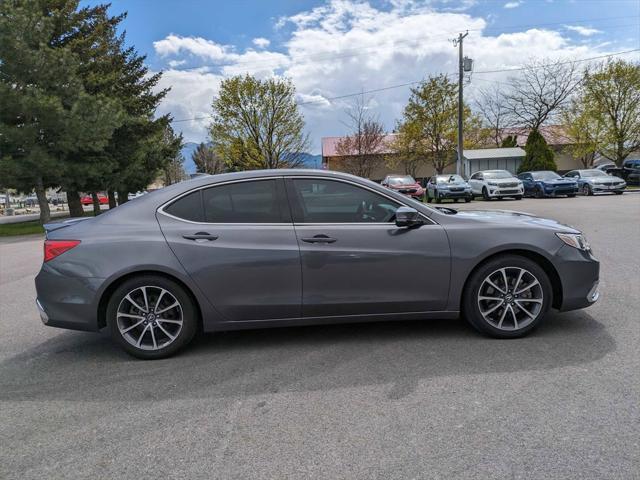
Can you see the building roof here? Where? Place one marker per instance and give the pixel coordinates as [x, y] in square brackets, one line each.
[479, 153]
[330, 145]
[553, 134]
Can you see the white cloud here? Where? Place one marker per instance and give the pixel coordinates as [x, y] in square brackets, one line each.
[584, 31]
[345, 47]
[261, 42]
[515, 4]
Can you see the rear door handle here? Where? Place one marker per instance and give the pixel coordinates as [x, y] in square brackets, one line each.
[319, 239]
[201, 236]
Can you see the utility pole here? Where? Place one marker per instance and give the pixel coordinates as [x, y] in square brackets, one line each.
[458, 41]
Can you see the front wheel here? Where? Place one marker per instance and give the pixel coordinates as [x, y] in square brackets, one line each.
[618, 193]
[485, 194]
[518, 197]
[151, 317]
[437, 197]
[571, 195]
[467, 199]
[507, 297]
[586, 191]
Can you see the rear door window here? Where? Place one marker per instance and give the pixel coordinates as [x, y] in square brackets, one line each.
[188, 207]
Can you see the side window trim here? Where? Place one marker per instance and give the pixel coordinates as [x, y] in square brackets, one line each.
[285, 208]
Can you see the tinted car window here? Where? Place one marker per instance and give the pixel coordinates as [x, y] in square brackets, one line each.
[243, 202]
[188, 207]
[328, 201]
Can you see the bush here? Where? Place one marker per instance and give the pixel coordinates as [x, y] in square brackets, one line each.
[538, 154]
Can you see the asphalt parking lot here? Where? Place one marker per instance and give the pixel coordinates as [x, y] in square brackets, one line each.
[390, 400]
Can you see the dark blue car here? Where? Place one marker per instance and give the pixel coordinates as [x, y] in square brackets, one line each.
[547, 184]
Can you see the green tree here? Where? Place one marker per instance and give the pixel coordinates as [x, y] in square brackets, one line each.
[206, 160]
[432, 114]
[509, 141]
[584, 131]
[256, 124]
[45, 107]
[612, 94]
[538, 154]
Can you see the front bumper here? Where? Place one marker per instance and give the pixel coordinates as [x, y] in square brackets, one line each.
[67, 302]
[506, 191]
[595, 188]
[579, 274]
[555, 191]
[458, 194]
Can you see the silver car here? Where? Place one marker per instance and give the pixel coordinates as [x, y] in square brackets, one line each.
[596, 181]
[295, 247]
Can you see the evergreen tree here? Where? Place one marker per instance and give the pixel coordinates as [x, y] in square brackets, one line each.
[207, 161]
[45, 106]
[538, 154]
[509, 141]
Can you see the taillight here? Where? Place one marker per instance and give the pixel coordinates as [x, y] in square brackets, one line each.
[53, 248]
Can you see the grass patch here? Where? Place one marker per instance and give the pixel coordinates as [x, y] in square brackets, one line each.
[23, 228]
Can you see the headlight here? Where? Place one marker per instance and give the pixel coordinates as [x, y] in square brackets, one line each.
[575, 240]
[492, 184]
[444, 187]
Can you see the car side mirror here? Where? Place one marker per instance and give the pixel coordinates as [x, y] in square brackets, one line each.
[408, 217]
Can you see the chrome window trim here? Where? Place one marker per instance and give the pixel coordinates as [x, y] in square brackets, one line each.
[161, 208]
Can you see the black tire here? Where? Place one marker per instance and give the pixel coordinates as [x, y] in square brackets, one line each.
[518, 197]
[485, 194]
[428, 198]
[539, 193]
[587, 191]
[186, 304]
[437, 197]
[618, 193]
[471, 309]
[571, 195]
[467, 199]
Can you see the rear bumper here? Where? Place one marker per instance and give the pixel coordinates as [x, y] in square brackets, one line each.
[67, 302]
[579, 275]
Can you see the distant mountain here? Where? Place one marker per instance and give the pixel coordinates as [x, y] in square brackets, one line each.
[308, 160]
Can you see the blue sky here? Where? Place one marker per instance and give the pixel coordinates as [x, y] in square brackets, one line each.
[336, 47]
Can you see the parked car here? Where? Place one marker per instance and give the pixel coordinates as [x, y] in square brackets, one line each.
[596, 181]
[496, 184]
[453, 187]
[88, 200]
[291, 247]
[631, 171]
[546, 183]
[405, 184]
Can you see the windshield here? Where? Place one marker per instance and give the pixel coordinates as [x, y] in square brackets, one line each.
[406, 180]
[449, 179]
[545, 175]
[497, 174]
[593, 173]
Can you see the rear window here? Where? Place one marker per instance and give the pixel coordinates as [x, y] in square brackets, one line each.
[243, 202]
[188, 207]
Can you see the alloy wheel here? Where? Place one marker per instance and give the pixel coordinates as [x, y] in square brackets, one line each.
[510, 298]
[149, 317]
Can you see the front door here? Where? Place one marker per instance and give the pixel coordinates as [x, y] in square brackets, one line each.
[237, 242]
[356, 261]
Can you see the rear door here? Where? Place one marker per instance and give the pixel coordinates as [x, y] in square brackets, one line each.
[237, 242]
[356, 261]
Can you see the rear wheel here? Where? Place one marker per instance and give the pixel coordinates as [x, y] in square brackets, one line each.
[507, 296]
[467, 199]
[151, 317]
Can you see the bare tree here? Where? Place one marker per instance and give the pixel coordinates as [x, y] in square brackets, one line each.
[363, 149]
[207, 160]
[540, 91]
[493, 109]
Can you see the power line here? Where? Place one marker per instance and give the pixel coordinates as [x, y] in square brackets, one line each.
[406, 84]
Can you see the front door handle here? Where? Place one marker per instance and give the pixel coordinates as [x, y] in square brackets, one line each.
[201, 236]
[319, 239]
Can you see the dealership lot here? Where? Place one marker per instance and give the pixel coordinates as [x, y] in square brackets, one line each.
[426, 399]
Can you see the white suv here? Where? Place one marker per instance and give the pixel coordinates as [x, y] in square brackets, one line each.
[496, 184]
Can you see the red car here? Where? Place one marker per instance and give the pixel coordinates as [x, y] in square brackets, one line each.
[404, 184]
[87, 200]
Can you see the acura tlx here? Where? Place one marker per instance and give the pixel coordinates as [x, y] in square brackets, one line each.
[298, 247]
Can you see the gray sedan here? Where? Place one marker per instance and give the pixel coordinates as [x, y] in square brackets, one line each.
[294, 247]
